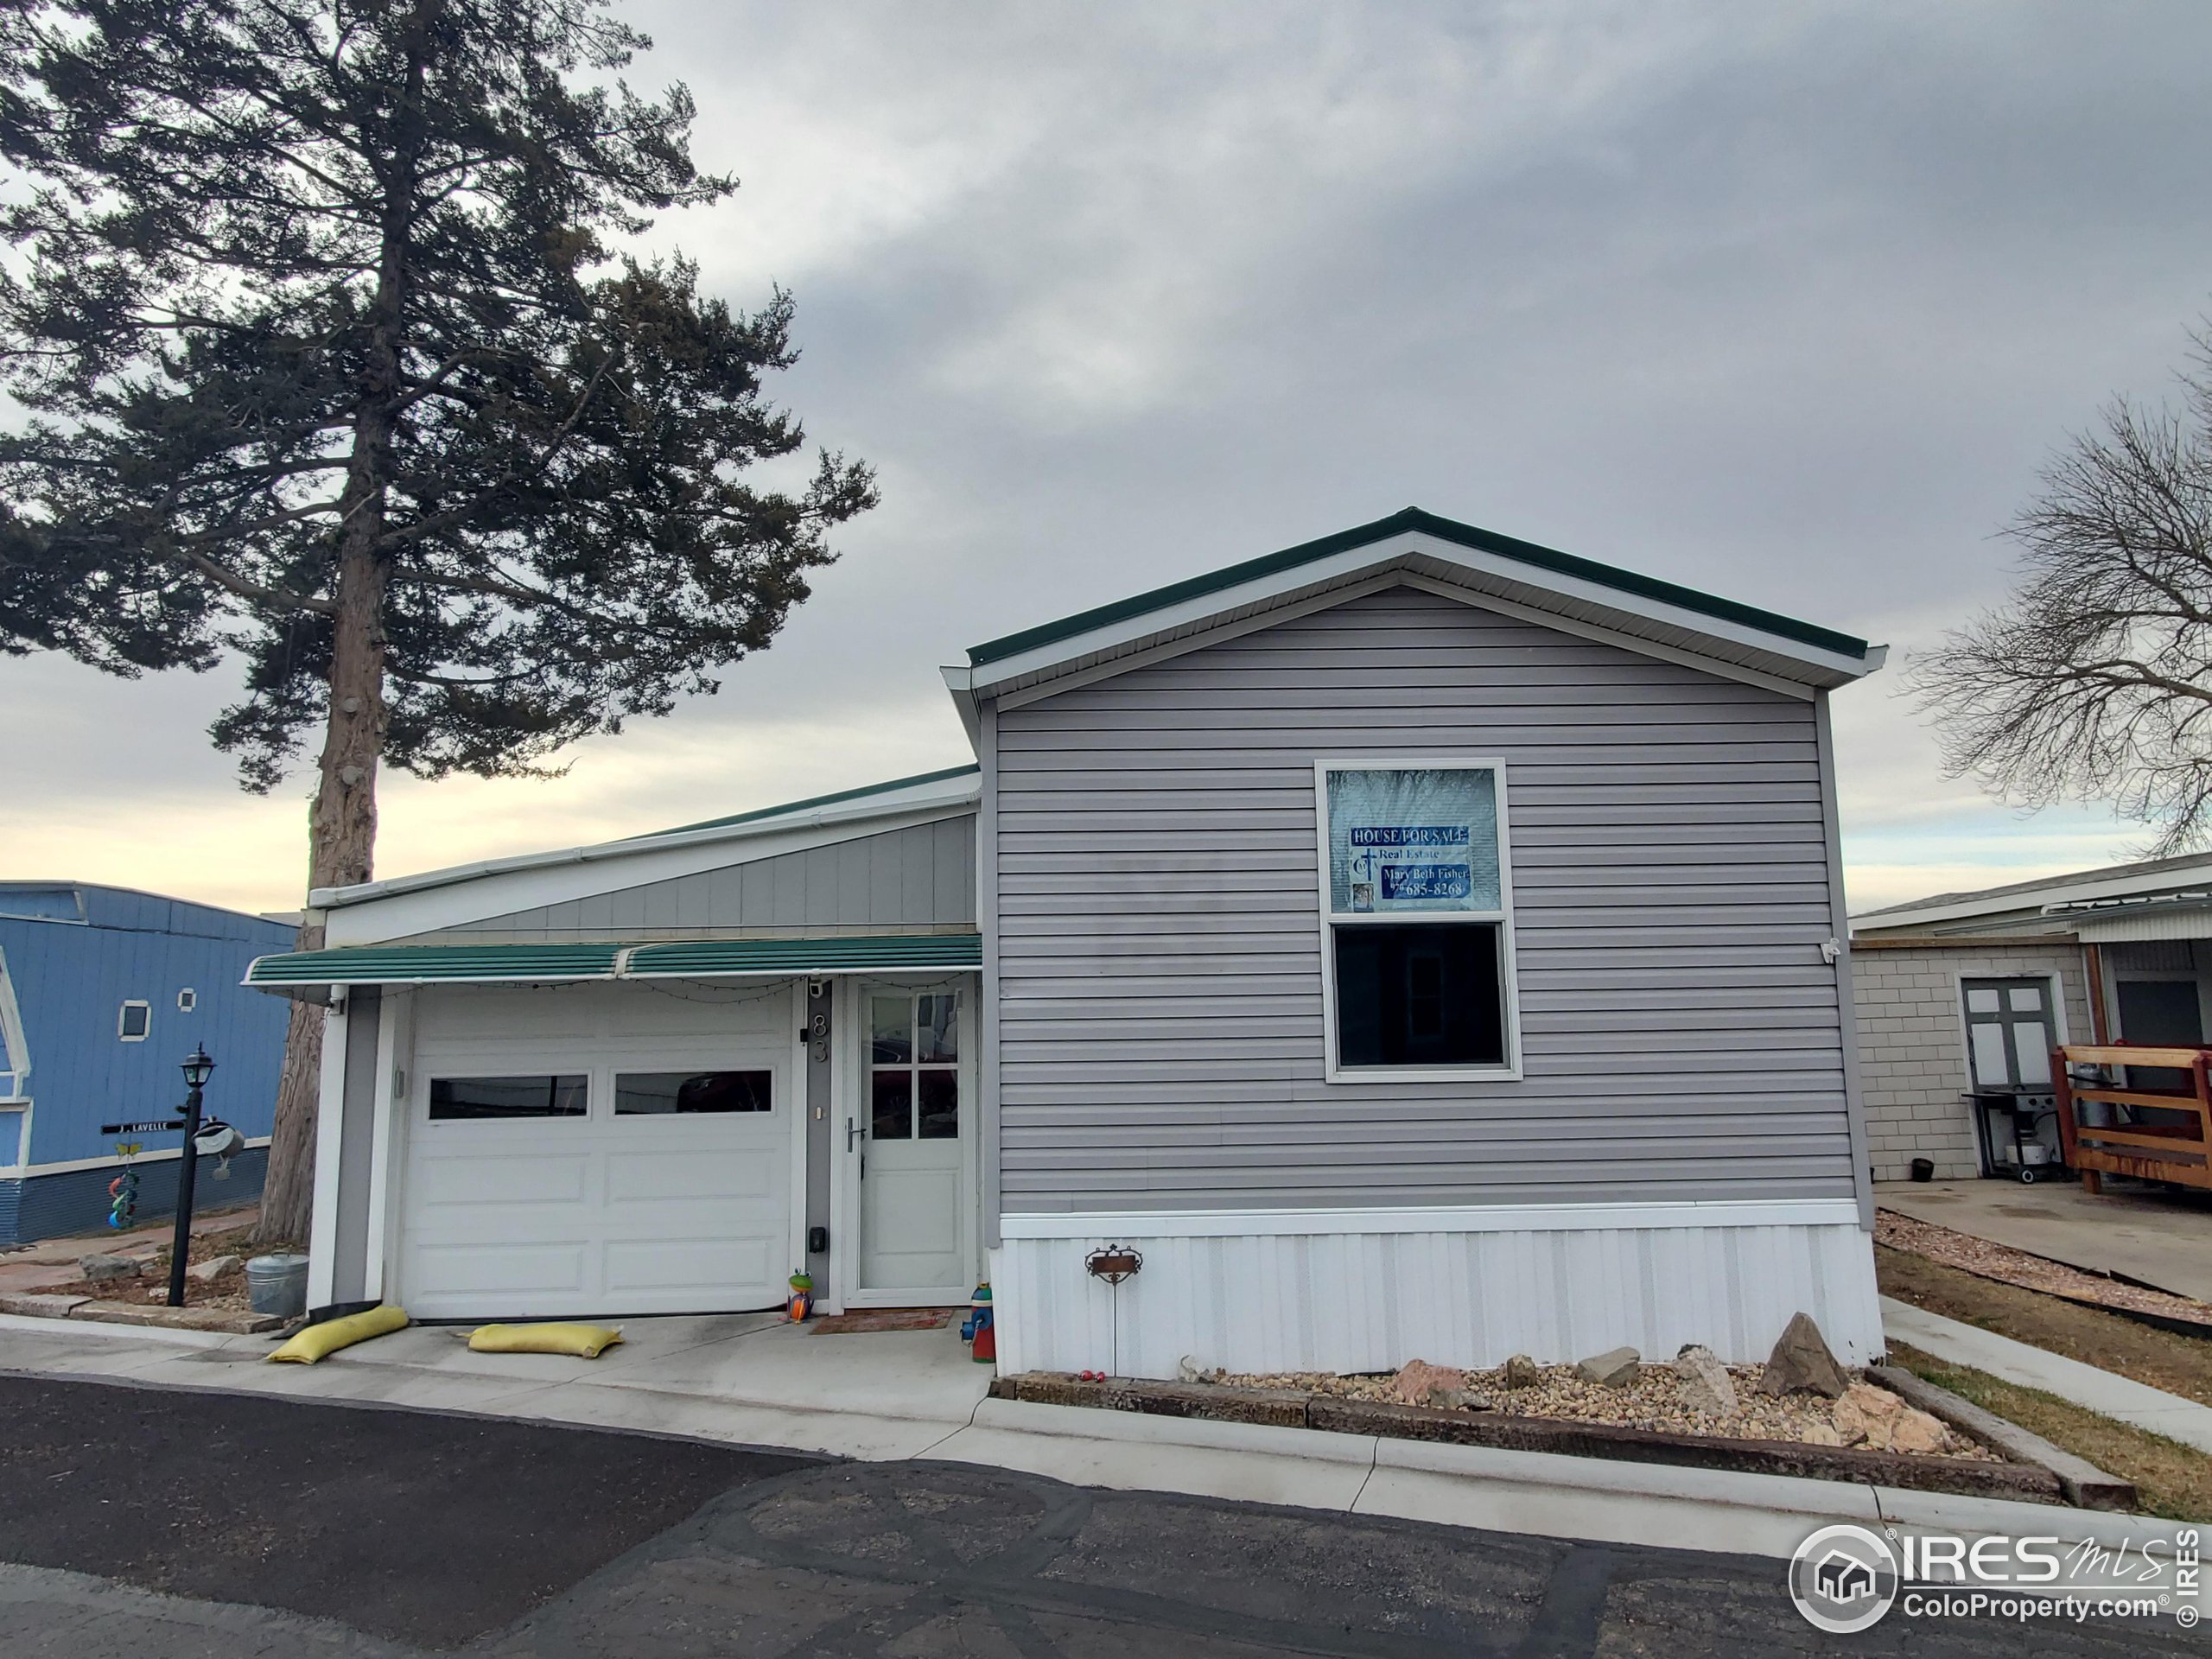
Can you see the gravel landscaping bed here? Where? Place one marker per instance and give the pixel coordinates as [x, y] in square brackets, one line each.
[1649, 1402]
[2012, 1266]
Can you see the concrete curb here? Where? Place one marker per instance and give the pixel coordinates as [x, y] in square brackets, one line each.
[1538, 1493]
[1564, 1496]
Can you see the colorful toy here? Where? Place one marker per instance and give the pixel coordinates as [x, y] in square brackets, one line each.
[123, 1191]
[802, 1302]
[977, 1328]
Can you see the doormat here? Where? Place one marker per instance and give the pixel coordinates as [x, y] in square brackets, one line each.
[882, 1319]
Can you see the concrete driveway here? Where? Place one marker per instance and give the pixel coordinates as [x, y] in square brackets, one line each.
[163, 1521]
[2147, 1233]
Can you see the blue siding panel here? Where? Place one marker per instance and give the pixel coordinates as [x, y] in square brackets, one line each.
[71, 978]
[76, 1200]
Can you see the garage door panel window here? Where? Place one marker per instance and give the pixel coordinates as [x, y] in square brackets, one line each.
[472, 1099]
[641, 1094]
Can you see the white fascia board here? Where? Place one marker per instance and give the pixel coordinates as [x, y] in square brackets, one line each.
[2040, 900]
[1192, 615]
[960, 682]
[404, 911]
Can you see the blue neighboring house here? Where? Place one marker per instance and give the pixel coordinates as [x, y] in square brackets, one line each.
[103, 992]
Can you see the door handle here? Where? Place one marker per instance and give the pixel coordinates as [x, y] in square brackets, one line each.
[852, 1133]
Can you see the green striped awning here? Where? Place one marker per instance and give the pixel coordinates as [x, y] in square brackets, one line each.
[413, 964]
[425, 964]
[692, 958]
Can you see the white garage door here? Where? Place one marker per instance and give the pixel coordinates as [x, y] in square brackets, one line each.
[654, 1180]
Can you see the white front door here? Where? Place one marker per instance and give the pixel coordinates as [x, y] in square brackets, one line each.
[914, 1148]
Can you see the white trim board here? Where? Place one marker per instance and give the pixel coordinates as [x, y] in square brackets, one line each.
[25, 1172]
[1438, 1219]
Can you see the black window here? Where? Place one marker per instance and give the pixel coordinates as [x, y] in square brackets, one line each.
[132, 1022]
[457, 1098]
[653, 1092]
[1418, 994]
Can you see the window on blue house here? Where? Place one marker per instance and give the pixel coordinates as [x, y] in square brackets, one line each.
[132, 1021]
[1416, 920]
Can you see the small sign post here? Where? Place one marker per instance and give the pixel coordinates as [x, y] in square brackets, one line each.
[197, 1069]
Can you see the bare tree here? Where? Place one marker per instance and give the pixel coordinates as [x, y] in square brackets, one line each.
[2093, 680]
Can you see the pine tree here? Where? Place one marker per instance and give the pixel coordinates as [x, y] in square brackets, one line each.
[334, 364]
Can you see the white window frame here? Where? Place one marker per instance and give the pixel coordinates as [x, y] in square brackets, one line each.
[1502, 918]
[128, 1003]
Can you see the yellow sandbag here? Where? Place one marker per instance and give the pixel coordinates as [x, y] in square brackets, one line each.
[321, 1341]
[584, 1341]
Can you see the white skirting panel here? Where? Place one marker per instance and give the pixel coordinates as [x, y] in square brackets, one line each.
[1284, 1296]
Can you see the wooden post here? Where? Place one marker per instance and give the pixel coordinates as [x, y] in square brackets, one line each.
[2093, 963]
[2068, 1144]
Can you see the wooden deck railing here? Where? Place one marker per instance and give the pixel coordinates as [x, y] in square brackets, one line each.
[2170, 1151]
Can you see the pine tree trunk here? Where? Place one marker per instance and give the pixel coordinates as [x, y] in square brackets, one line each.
[342, 827]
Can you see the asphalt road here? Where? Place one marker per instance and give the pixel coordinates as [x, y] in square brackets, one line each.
[164, 1524]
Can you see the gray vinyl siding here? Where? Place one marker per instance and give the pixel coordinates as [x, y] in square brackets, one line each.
[1159, 953]
[916, 880]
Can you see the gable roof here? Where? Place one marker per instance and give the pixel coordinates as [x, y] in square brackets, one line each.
[1479, 560]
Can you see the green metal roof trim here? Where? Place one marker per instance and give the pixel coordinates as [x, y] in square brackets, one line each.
[970, 770]
[397, 964]
[692, 956]
[1448, 529]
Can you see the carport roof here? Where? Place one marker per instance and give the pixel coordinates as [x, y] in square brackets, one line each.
[512, 964]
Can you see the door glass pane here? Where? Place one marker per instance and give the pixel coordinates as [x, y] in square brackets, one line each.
[891, 1029]
[1982, 999]
[940, 1105]
[2032, 1046]
[936, 1031]
[639, 1093]
[892, 1110]
[1990, 1070]
[2025, 999]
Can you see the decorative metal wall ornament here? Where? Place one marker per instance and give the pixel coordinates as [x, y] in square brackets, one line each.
[1113, 1262]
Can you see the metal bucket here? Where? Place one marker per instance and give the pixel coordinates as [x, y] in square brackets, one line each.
[278, 1284]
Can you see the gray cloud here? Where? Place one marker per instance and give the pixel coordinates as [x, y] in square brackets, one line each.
[1787, 302]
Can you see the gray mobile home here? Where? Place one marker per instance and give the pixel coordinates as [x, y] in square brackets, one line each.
[1417, 942]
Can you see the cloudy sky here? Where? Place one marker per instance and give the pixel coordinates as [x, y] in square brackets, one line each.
[1787, 302]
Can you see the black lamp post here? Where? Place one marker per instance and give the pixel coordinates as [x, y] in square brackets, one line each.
[197, 1069]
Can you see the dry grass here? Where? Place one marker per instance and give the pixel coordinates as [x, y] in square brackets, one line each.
[2174, 1481]
[2161, 1359]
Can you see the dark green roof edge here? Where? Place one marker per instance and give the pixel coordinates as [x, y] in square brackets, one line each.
[1449, 530]
[816, 800]
[486, 961]
[677, 956]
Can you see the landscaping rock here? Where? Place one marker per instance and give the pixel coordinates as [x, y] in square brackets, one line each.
[1802, 1363]
[1521, 1372]
[1819, 1434]
[1867, 1415]
[1916, 1431]
[100, 1270]
[1417, 1380]
[1461, 1400]
[1705, 1387]
[214, 1267]
[1616, 1367]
